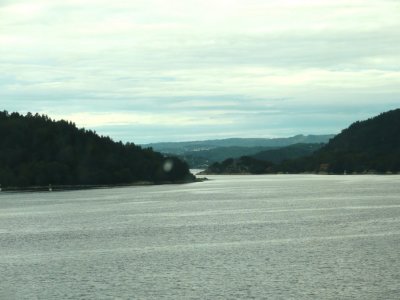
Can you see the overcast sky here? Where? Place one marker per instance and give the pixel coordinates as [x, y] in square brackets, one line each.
[174, 70]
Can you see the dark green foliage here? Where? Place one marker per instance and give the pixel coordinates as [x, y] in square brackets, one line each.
[35, 150]
[203, 158]
[367, 146]
[173, 169]
[371, 146]
[242, 165]
[289, 152]
[201, 154]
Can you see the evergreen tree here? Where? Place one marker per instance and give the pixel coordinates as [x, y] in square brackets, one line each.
[35, 150]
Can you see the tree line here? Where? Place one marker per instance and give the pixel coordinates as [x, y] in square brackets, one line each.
[370, 146]
[36, 150]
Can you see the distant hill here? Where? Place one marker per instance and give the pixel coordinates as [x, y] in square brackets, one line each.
[182, 147]
[289, 152]
[262, 162]
[242, 165]
[201, 154]
[36, 151]
[370, 146]
[204, 158]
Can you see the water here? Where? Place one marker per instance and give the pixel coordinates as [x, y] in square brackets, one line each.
[234, 237]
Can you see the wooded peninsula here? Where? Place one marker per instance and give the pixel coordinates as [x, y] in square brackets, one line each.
[37, 151]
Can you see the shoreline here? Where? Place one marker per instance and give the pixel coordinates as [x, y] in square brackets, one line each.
[63, 188]
[305, 173]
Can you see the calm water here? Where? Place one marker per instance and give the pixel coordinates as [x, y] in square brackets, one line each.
[235, 237]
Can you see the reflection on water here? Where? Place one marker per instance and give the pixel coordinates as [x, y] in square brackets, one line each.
[275, 237]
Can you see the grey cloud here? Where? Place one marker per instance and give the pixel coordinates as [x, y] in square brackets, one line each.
[264, 68]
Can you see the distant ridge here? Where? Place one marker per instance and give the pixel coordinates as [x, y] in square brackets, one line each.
[370, 146]
[201, 154]
[289, 152]
[182, 147]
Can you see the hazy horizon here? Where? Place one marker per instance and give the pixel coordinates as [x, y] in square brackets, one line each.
[228, 138]
[182, 70]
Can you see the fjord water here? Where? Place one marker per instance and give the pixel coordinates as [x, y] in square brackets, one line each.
[233, 237]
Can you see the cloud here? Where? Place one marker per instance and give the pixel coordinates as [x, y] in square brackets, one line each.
[188, 63]
[95, 119]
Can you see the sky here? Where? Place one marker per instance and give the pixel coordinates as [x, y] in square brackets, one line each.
[179, 70]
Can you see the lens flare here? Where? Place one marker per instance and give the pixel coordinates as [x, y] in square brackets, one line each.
[168, 166]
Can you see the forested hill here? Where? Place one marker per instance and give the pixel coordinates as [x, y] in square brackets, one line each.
[289, 152]
[370, 146]
[36, 150]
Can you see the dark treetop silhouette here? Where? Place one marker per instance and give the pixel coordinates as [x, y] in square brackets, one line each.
[36, 150]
